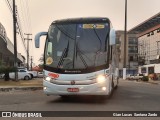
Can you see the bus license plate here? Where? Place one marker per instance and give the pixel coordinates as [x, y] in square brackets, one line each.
[73, 89]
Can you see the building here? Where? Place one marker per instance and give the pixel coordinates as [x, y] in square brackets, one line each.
[7, 50]
[148, 34]
[131, 52]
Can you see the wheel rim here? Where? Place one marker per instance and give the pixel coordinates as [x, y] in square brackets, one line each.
[26, 78]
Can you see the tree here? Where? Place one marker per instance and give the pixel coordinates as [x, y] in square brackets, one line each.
[6, 70]
[1, 68]
[41, 66]
[41, 59]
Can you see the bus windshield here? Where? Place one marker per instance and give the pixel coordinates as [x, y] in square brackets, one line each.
[77, 46]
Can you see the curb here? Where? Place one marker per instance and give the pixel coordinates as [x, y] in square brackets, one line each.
[150, 82]
[153, 83]
[8, 89]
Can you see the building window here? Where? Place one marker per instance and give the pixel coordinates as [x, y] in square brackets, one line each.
[130, 58]
[150, 70]
[152, 33]
[132, 49]
[148, 34]
[143, 70]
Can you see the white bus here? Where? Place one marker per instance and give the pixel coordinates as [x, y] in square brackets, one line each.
[79, 57]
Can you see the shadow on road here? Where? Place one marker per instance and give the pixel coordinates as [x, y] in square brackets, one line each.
[79, 99]
[83, 99]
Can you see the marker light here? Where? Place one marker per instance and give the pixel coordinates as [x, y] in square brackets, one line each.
[101, 79]
[48, 79]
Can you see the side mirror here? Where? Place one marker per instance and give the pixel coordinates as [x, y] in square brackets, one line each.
[37, 38]
[112, 39]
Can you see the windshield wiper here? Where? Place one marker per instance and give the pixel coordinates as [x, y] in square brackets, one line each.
[64, 54]
[65, 33]
[98, 38]
[99, 51]
[80, 55]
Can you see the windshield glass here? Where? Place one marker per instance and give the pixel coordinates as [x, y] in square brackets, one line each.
[77, 46]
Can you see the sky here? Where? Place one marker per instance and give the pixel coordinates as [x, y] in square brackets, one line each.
[42, 12]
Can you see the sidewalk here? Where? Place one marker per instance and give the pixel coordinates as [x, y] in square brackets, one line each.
[154, 81]
[34, 84]
[157, 82]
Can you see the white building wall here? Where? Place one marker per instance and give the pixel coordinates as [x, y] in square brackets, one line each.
[147, 45]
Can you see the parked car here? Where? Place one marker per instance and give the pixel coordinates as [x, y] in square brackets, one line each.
[40, 74]
[22, 74]
[135, 77]
[33, 74]
[130, 77]
[1, 76]
[138, 77]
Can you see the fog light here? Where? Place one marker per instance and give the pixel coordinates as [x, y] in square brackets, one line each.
[44, 88]
[104, 88]
[101, 79]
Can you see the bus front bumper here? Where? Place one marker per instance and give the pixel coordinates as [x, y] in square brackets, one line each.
[92, 89]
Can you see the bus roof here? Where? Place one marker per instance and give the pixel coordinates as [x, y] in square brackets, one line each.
[82, 20]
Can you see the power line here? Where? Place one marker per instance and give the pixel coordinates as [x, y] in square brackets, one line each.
[26, 14]
[29, 19]
[18, 24]
[9, 6]
[23, 15]
[25, 18]
[21, 33]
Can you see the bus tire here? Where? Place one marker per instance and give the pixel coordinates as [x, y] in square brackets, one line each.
[117, 84]
[111, 91]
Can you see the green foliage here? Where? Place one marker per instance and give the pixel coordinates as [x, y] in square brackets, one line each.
[41, 66]
[145, 78]
[41, 59]
[4, 69]
[0, 63]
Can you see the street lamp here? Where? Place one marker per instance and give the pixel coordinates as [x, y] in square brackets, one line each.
[125, 41]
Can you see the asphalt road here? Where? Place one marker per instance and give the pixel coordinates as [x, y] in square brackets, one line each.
[130, 96]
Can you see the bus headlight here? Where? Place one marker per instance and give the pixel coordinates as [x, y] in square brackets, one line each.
[101, 79]
[48, 79]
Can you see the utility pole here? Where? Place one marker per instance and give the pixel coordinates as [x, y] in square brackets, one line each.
[27, 48]
[31, 62]
[15, 38]
[125, 41]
